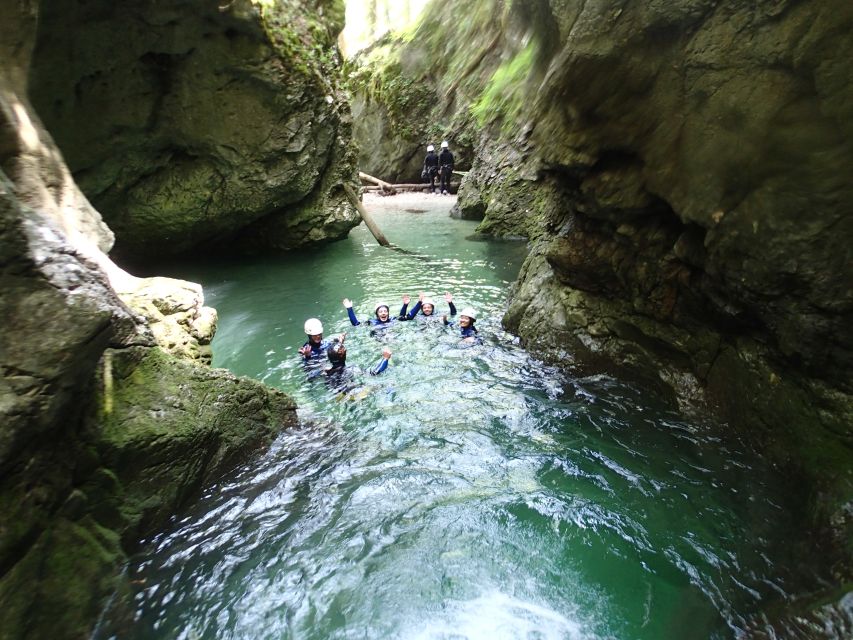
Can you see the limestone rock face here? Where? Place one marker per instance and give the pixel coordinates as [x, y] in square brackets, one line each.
[683, 172]
[174, 311]
[701, 234]
[187, 122]
[103, 435]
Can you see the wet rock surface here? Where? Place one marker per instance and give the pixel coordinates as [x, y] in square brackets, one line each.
[103, 434]
[682, 171]
[195, 126]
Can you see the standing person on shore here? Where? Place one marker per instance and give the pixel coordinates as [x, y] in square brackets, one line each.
[430, 170]
[445, 167]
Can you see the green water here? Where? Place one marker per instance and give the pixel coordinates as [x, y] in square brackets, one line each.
[467, 492]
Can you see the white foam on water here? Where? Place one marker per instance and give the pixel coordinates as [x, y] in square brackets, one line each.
[497, 616]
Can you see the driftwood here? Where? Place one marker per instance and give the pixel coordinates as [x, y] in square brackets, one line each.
[410, 187]
[381, 183]
[368, 219]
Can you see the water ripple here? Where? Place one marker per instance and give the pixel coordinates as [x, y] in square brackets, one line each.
[468, 492]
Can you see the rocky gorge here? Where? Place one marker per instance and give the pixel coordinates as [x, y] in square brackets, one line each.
[682, 172]
[680, 169]
[112, 418]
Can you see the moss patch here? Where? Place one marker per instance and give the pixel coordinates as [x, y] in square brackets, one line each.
[507, 91]
[59, 587]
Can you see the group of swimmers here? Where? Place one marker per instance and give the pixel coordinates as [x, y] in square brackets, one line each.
[424, 310]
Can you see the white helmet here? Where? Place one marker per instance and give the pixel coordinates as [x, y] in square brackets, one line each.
[313, 327]
[430, 147]
[444, 144]
[428, 301]
[379, 305]
[468, 311]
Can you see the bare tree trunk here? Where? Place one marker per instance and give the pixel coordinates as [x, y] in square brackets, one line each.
[365, 215]
[381, 183]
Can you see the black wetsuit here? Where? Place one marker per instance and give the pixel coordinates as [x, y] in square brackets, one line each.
[445, 164]
[418, 308]
[465, 332]
[431, 169]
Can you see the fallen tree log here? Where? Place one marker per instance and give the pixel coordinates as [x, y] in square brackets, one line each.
[365, 215]
[368, 178]
[410, 187]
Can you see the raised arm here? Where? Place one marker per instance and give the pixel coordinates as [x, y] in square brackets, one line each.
[353, 320]
[449, 299]
[404, 308]
[416, 309]
[383, 363]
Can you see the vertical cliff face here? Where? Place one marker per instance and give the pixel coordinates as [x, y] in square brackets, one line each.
[415, 89]
[682, 170]
[688, 164]
[195, 125]
[701, 151]
[105, 424]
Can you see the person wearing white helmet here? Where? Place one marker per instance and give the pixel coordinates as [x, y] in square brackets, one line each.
[467, 318]
[315, 346]
[430, 170]
[381, 311]
[445, 167]
[426, 307]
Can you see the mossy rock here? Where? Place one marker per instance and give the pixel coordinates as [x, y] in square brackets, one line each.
[168, 427]
[59, 586]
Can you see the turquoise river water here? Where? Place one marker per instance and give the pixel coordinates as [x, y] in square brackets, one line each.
[468, 491]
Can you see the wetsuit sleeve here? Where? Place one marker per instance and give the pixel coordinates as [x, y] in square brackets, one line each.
[402, 315]
[415, 310]
[379, 368]
[352, 317]
[452, 308]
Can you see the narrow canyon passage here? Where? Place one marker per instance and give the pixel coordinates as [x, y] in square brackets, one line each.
[468, 491]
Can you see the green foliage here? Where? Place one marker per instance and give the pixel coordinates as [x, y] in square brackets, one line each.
[409, 104]
[409, 100]
[505, 94]
[305, 41]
